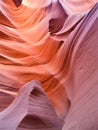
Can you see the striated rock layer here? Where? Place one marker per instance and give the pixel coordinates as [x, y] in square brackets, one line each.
[48, 65]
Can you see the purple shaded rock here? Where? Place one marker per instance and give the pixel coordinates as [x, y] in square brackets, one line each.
[17, 2]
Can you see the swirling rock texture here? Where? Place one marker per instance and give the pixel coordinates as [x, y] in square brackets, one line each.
[48, 65]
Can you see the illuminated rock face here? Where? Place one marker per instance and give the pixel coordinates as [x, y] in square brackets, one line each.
[54, 42]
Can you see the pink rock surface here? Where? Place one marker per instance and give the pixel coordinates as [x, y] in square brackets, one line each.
[49, 65]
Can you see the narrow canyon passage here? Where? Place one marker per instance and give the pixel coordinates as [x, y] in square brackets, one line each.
[48, 65]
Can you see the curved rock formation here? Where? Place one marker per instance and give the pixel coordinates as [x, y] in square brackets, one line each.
[56, 43]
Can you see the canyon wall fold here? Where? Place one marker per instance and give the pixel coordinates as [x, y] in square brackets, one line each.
[49, 65]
